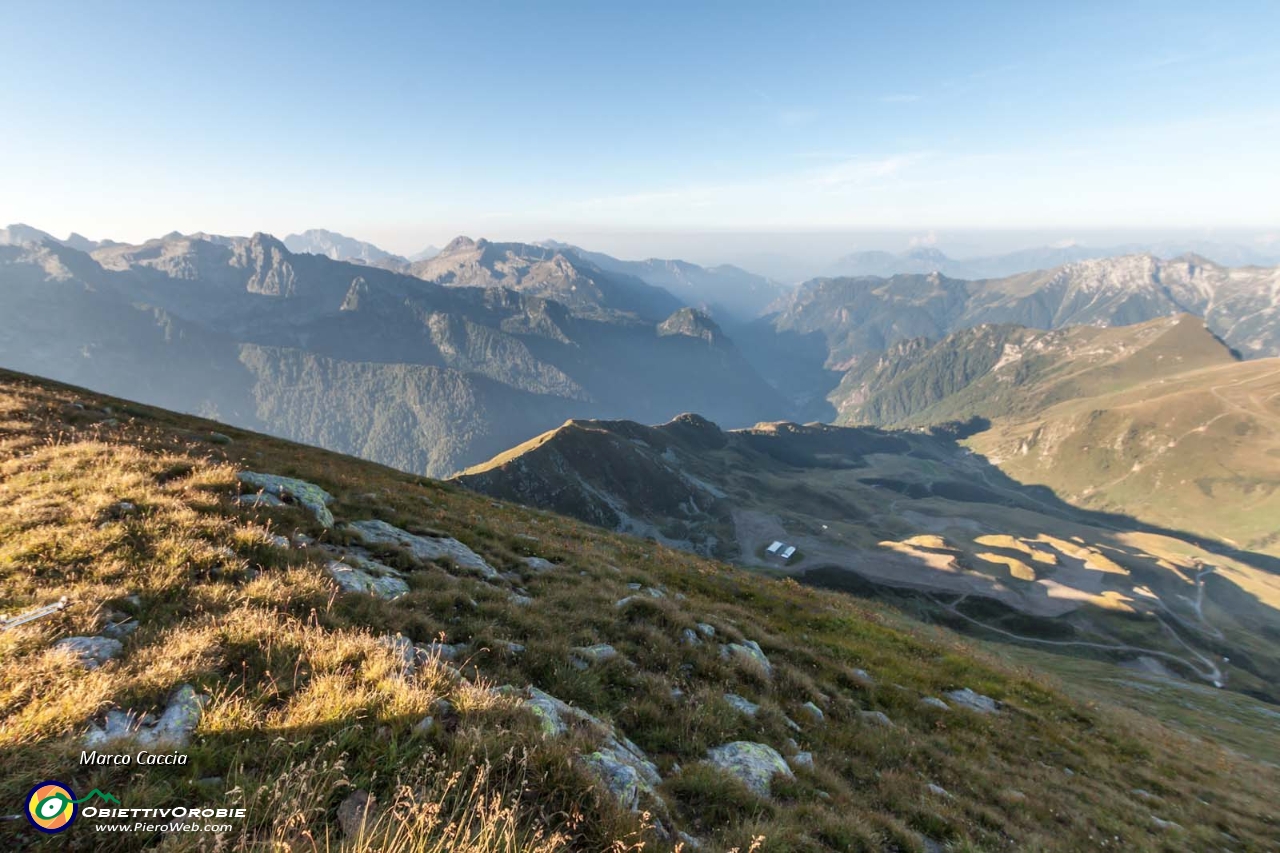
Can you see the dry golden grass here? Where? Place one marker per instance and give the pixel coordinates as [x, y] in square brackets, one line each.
[307, 704]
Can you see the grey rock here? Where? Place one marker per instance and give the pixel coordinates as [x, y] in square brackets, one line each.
[92, 652]
[120, 630]
[937, 790]
[755, 764]
[747, 650]
[443, 651]
[863, 678]
[973, 701]
[739, 703]
[512, 648]
[424, 548]
[218, 438]
[690, 637]
[624, 771]
[791, 724]
[259, 501]
[655, 593]
[813, 712]
[634, 587]
[597, 654]
[706, 630]
[689, 841]
[520, 600]
[538, 564]
[802, 759]
[424, 725]
[935, 702]
[308, 495]
[279, 541]
[402, 649]
[1166, 825]
[173, 729]
[875, 718]
[383, 582]
[356, 813]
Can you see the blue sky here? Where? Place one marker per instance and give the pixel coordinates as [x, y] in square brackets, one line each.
[408, 124]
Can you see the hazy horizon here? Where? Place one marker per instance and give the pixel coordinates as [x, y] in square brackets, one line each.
[411, 126]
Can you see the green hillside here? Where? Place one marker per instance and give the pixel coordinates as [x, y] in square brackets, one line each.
[294, 698]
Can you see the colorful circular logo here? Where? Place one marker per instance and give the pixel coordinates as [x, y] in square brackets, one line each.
[51, 807]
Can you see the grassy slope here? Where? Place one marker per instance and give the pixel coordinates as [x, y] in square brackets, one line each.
[305, 702]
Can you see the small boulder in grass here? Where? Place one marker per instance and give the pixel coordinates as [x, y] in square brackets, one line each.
[356, 813]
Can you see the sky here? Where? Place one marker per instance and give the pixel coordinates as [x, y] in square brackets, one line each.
[409, 124]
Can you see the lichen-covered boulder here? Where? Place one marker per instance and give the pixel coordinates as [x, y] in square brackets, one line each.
[538, 564]
[935, 703]
[368, 577]
[173, 729]
[597, 654]
[973, 701]
[424, 548]
[813, 712]
[747, 651]
[755, 764]
[624, 770]
[308, 495]
[92, 652]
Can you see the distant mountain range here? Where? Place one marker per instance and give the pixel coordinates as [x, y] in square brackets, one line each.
[927, 259]
[811, 336]
[428, 376]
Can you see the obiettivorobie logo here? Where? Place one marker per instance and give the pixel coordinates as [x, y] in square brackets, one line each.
[52, 806]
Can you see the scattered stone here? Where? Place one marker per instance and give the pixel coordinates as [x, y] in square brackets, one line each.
[791, 724]
[1013, 796]
[624, 770]
[677, 693]
[634, 587]
[623, 602]
[655, 593]
[402, 649]
[862, 678]
[260, 500]
[355, 812]
[520, 600]
[747, 650]
[370, 578]
[875, 718]
[937, 790]
[424, 725]
[739, 703]
[279, 541]
[308, 495]
[814, 712]
[935, 702]
[1143, 794]
[802, 759]
[592, 655]
[620, 765]
[680, 596]
[974, 701]
[538, 564]
[512, 648]
[173, 729]
[120, 630]
[688, 841]
[791, 746]
[755, 764]
[93, 652]
[424, 548]
[706, 630]
[690, 637]
[442, 651]
[1167, 825]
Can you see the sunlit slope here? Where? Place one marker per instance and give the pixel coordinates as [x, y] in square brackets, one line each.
[1200, 450]
[311, 693]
